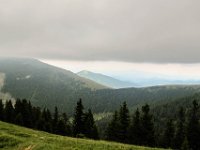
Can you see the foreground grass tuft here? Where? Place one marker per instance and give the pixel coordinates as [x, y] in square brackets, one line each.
[8, 141]
[13, 137]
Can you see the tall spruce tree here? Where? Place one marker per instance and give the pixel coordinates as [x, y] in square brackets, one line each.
[148, 135]
[78, 123]
[90, 129]
[180, 131]
[67, 124]
[30, 107]
[1, 110]
[168, 136]
[193, 128]
[185, 144]
[113, 128]
[135, 129]
[18, 114]
[36, 113]
[124, 122]
[19, 119]
[18, 106]
[9, 112]
[55, 120]
[26, 113]
[46, 116]
[62, 130]
[41, 124]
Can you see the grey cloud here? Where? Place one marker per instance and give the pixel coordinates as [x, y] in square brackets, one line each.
[121, 30]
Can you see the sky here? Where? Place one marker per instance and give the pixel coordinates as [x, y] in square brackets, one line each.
[128, 33]
[128, 71]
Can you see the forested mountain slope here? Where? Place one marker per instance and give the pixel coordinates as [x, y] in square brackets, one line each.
[41, 83]
[169, 109]
[49, 86]
[110, 100]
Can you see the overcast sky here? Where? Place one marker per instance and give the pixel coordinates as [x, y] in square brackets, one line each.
[124, 38]
[158, 31]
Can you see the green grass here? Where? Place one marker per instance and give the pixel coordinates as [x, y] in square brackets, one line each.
[13, 137]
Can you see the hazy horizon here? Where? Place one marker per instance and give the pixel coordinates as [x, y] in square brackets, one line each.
[133, 71]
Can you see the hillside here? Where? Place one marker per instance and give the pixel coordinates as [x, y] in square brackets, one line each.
[48, 86]
[41, 83]
[110, 100]
[105, 80]
[13, 137]
[169, 109]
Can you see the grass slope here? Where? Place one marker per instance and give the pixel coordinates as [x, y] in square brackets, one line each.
[13, 137]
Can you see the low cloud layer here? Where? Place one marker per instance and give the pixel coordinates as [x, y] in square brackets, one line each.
[116, 30]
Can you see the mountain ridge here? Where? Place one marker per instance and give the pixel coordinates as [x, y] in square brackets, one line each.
[105, 79]
[48, 86]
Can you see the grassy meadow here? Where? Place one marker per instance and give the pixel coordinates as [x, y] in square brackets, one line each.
[13, 137]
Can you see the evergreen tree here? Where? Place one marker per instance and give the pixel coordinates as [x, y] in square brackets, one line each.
[113, 128]
[193, 129]
[9, 112]
[124, 121]
[46, 116]
[19, 119]
[17, 110]
[26, 113]
[67, 124]
[78, 124]
[61, 127]
[1, 110]
[30, 113]
[18, 106]
[36, 115]
[55, 120]
[135, 129]
[185, 145]
[168, 136]
[49, 121]
[90, 129]
[41, 124]
[148, 136]
[180, 132]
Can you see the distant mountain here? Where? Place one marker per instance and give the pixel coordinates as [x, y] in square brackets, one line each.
[48, 86]
[43, 84]
[105, 80]
[162, 81]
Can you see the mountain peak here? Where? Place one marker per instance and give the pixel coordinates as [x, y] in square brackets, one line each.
[105, 80]
[84, 72]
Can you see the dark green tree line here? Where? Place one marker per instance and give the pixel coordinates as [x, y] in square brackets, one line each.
[83, 123]
[24, 114]
[182, 132]
[139, 131]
